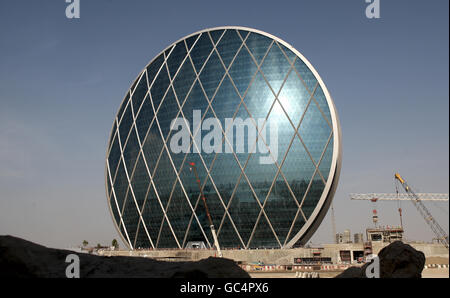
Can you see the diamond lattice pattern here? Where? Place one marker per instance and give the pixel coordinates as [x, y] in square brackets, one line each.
[228, 73]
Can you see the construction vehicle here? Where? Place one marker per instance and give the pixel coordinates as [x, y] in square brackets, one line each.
[441, 235]
[211, 225]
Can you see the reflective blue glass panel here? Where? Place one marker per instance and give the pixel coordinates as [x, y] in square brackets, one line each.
[273, 128]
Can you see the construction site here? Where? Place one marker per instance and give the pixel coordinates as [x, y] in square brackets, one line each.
[326, 259]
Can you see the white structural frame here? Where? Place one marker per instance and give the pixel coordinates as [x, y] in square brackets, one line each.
[399, 196]
[314, 220]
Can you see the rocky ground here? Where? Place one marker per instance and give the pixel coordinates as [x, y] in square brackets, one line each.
[21, 258]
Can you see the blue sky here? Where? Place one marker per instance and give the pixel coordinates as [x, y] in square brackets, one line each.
[62, 80]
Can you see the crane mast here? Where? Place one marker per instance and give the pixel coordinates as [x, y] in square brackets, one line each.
[211, 225]
[441, 235]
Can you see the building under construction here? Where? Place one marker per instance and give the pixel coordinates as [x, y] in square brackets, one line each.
[385, 234]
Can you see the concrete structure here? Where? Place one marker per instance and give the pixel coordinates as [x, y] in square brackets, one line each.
[347, 238]
[335, 252]
[384, 234]
[358, 238]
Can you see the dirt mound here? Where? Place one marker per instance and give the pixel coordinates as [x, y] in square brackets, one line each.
[21, 258]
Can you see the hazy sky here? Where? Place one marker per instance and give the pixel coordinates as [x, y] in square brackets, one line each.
[62, 80]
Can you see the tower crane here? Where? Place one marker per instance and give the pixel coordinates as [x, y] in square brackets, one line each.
[211, 225]
[399, 197]
[374, 197]
[441, 235]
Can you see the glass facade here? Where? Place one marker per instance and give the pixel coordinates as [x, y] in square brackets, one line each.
[229, 72]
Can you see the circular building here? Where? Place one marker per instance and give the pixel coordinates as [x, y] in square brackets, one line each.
[239, 114]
